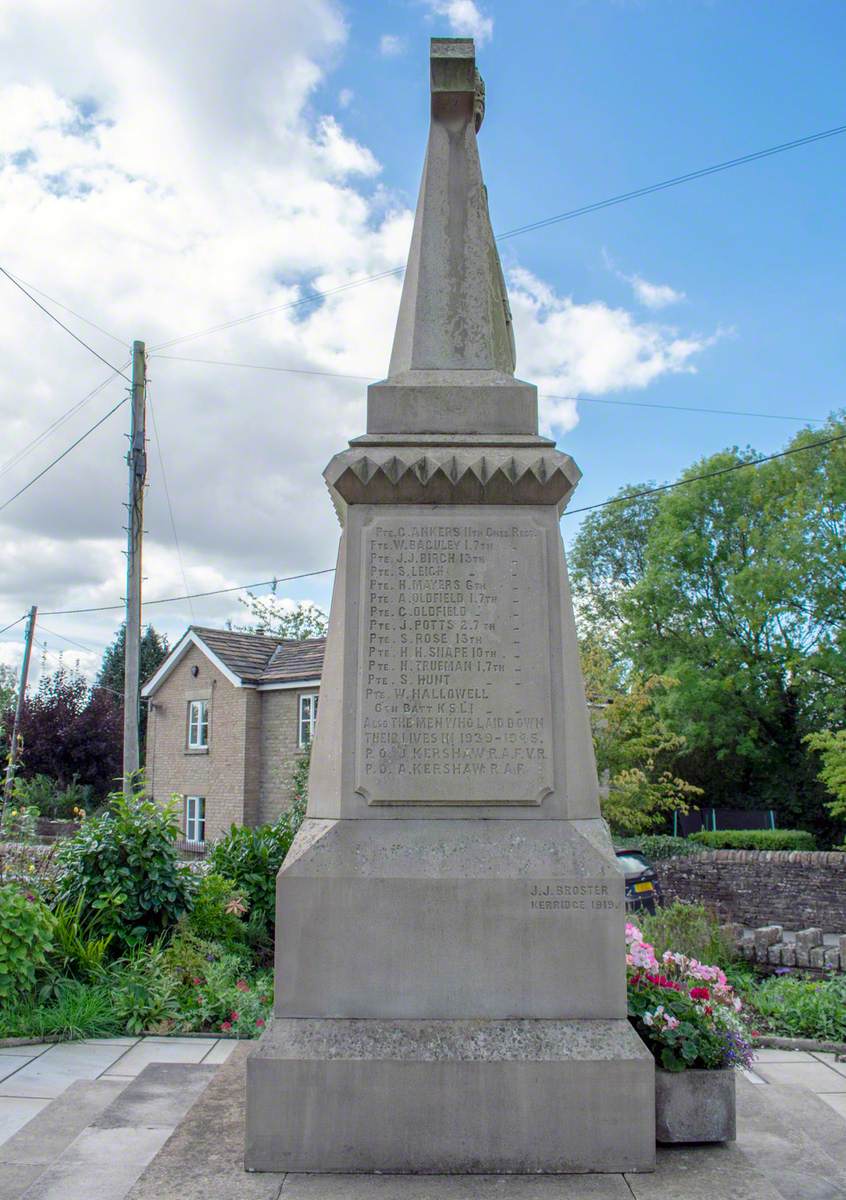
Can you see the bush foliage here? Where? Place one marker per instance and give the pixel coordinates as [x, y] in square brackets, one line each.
[26, 935]
[124, 864]
[754, 839]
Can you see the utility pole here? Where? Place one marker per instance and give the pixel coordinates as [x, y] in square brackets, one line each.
[13, 748]
[137, 461]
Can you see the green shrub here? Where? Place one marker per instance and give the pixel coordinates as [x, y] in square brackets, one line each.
[657, 846]
[20, 823]
[688, 929]
[124, 864]
[754, 839]
[802, 1007]
[217, 910]
[76, 1010]
[26, 935]
[79, 950]
[51, 799]
[251, 858]
[145, 992]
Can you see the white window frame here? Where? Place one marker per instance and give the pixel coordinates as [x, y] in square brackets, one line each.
[306, 718]
[198, 730]
[195, 820]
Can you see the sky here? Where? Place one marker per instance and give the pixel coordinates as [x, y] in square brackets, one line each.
[167, 170]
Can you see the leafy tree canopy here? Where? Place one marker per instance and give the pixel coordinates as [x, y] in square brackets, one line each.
[154, 650]
[282, 618]
[733, 586]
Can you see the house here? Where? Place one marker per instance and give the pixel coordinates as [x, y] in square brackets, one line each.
[229, 716]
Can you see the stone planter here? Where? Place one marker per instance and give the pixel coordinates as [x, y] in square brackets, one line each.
[694, 1106]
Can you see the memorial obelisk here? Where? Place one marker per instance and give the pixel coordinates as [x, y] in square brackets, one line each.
[450, 962]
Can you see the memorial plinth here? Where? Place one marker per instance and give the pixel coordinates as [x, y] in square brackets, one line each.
[450, 963]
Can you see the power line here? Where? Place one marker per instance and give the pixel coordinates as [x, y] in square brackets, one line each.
[71, 642]
[36, 441]
[52, 317]
[675, 181]
[241, 587]
[727, 412]
[169, 504]
[667, 487]
[64, 454]
[17, 279]
[12, 625]
[570, 512]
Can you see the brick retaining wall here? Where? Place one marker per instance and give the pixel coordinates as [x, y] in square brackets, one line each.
[792, 888]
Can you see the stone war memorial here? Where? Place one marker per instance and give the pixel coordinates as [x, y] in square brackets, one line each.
[450, 962]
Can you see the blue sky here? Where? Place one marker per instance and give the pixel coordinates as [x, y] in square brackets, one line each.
[590, 99]
[171, 171]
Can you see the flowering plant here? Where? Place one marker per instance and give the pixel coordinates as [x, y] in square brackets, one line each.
[687, 1013]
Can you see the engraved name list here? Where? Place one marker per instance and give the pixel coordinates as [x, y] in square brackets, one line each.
[454, 705]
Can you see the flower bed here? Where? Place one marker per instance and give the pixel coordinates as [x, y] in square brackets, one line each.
[686, 1012]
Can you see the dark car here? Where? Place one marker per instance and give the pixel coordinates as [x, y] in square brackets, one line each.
[643, 891]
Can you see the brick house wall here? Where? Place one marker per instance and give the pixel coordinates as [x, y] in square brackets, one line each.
[227, 774]
[279, 748]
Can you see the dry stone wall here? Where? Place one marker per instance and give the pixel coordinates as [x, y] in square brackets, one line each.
[796, 889]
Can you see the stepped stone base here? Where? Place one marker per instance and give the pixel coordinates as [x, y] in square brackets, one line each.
[472, 1097]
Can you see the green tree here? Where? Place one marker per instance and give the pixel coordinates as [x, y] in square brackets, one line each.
[733, 586]
[277, 617]
[8, 698]
[831, 747]
[154, 650]
[635, 749]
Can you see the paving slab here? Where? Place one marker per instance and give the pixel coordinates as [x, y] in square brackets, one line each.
[48, 1133]
[135, 1059]
[14, 1114]
[15, 1178]
[830, 1060]
[813, 1075]
[788, 1134]
[158, 1097]
[204, 1157]
[220, 1051]
[454, 1187]
[836, 1101]
[29, 1050]
[8, 1065]
[766, 1054]
[48, 1075]
[61, 1182]
[703, 1173]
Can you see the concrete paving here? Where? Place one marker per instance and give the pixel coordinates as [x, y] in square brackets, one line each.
[124, 1137]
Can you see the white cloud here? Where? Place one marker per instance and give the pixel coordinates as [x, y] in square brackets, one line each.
[346, 97]
[465, 18]
[654, 295]
[569, 349]
[391, 45]
[199, 181]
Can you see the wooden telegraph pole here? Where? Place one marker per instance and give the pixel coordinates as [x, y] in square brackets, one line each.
[13, 748]
[137, 461]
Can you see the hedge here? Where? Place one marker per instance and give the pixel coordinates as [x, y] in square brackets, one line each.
[754, 839]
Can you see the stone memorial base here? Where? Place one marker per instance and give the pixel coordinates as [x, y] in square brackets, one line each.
[436, 1097]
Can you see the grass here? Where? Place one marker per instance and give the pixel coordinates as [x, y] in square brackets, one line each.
[790, 1006]
[77, 1010]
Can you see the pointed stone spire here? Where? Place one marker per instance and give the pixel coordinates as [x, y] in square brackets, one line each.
[452, 365]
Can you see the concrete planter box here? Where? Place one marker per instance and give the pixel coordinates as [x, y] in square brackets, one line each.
[694, 1106]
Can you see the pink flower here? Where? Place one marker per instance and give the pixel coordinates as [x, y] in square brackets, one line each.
[225, 1026]
[242, 985]
[233, 1016]
[700, 993]
[260, 1022]
[196, 981]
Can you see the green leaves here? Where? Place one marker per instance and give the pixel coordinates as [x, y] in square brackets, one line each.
[26, 935]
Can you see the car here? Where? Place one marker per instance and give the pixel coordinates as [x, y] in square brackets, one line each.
[643, 891]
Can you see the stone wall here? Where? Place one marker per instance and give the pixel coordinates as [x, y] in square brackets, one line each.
[792, 888]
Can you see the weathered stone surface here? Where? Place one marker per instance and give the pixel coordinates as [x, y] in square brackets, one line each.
[841, 943]
[695, 1106]
[453, 895]
[446, 919]
[806, 939]
[788, 954]
[832, 957]
[774, 953]
[816, 956]
[400, 1092]
[795, 889]
[765, 937]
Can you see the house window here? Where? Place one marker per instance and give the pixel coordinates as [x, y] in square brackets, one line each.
[198, 725]
[195, 819]
[308, 719]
